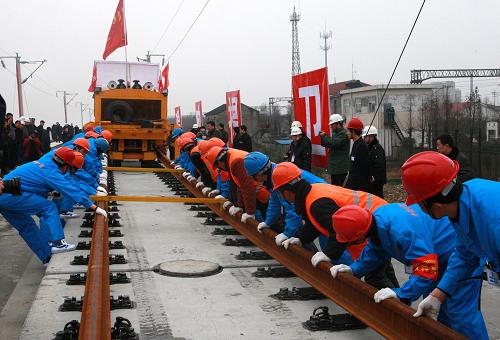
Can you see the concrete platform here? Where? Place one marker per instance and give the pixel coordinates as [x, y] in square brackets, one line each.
[228, 305]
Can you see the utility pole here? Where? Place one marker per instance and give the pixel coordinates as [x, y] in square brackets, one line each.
[66, 102]
[83, 107]
[148, 58]
[325, 35]
[19, 80]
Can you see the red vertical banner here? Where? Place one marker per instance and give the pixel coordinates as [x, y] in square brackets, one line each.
[233, 112]
[311, 106]
[198, 113]
[178, 116]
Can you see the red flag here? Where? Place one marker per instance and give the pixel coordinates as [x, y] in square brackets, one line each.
[94, 79]
[164, 74]
[198, 113]
[311, 107]
[233, 112]
[117, 36]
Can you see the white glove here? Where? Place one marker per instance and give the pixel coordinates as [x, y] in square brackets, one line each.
[384, 294]
[280, 238]
[213, 193]
[262, 226]
[177, 167]
[105, 172]
[245, 217]
[102, 212]
[319, 257]
[99, 193]
[172, 163]
[205, 191]
[227, 204]
[105, 176]
[220, 197]
[429, 306]
[340, 268]
[101, 189]
[292, 240]
[102, 181]
[199, 185]
[234, 210]
[186, 174]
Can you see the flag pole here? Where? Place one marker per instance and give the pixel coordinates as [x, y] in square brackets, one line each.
[126, 43]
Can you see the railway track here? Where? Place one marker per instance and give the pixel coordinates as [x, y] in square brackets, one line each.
[390, 319]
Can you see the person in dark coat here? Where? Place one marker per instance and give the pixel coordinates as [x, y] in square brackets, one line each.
[377, 161]
[242, 140]
[446, 145]
[222, 132]
[300, 150]
[359, 171]
[212, 131]
[66, 134]
[44, 137]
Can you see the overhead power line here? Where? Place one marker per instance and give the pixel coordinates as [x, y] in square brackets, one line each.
[168, 26]
[190, 27]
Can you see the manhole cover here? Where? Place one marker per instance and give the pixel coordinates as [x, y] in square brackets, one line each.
[188, 268]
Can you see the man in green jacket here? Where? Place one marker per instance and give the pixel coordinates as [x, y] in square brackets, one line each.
[338, 143]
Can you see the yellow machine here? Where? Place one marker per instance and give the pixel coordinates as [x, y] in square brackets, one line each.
[136, 116]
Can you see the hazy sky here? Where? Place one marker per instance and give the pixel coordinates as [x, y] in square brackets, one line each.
[242, 45]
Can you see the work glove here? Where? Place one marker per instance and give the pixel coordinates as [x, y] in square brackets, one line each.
[200, 185]
[205, 191]
[186, 174]
[227, 204]
[105, 172]
[384, 294]
[102, 212]
[172, 163]
[101, 189]
[429, 306]
[220, 197]
[280, 238]
[99, 193]
[103, 175]
[178, 167]
[262, 226]
[340, 268]
[245, 217]
[234, 210]
[191, 179]
[319, 257]
[213, 193]
[103, 181]
[292, 240]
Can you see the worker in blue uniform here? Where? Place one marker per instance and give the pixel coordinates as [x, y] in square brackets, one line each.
[424, 245]
[261, 169]
[171, 143]
[38, 178]
[430, 179]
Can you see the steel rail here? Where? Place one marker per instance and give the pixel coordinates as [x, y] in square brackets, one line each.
[165, 199]
[95, 322]
[116, 168]
[391, 318]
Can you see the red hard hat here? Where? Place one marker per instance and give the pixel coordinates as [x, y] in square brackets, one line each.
[89, 127]
[426, 174]
[107, 135]
[65, 154]
[355, 124]
[83, 143]
[206, 145]
[212, 154]
[91, 134]
[351, 222]
[78, 161]
[188, 134]
[285, 173]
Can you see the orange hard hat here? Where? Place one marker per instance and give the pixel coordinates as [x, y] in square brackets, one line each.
[212, 154]
[194, 150]
[285, 173]
[355, 124]
[78, 161]
[91, 134]
[64, 154]
[188, 134]
[426, 174]
[208, 144]
[89, 127]
[83, 143]
[183, 142]
[107, 135]
[351, 222]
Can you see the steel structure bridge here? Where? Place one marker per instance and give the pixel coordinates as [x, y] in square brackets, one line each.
[418, 76]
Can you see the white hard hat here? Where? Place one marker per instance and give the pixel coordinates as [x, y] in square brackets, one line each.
[335, 118]
[369, 130]
[295, 131]
[195, 126]
[296, 124]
